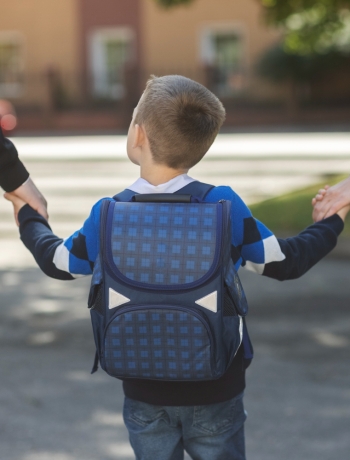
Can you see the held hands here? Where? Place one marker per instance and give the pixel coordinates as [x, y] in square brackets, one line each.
[331, 200]
[342, 213]
[29, 193]
[18, 203]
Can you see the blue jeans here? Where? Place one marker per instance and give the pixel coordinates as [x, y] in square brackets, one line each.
[212, 432]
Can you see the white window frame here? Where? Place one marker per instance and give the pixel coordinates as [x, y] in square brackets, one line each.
[97, 65]
[206, 33]
[15, 89]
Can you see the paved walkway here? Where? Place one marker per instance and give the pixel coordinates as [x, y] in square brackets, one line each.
[298, 396]
[298, 393]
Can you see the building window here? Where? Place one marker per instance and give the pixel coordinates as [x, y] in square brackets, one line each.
[222, 52]
[11, 64]
[110, 50]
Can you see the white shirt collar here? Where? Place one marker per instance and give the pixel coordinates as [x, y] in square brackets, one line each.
[173, 185]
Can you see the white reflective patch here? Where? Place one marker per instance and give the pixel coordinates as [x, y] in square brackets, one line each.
[240, 332]
[116, 299]
[253, 267]
[210, 301]
[61, 260]
[272, 250]
[241, 328]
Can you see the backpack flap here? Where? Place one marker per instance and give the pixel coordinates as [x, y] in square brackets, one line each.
[175, 246]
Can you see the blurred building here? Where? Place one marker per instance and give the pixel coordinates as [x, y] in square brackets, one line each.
[82, 64]
[217, 43]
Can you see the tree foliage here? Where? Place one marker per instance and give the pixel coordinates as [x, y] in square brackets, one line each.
[280, 10]
[311, 26]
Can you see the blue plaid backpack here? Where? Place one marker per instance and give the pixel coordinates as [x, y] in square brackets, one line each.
[166, 301]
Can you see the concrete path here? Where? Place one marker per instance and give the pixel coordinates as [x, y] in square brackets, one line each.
[297, 397]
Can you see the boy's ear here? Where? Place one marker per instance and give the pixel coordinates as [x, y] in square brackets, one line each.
[140, 136]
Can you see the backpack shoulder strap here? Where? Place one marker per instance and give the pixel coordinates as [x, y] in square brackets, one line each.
[196, 189]
[125, 195]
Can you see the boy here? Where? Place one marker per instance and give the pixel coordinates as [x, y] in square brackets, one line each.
[172, 128]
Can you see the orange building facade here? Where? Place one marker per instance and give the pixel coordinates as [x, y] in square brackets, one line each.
[96, 38]
[217, 42]
[35, 37]
[76, 57]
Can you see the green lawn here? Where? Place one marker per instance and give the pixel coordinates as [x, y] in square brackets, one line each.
[291, 213]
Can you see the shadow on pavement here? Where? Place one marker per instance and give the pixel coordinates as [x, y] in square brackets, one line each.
[298, 387]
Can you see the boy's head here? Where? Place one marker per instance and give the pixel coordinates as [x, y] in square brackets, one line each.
[181, 119]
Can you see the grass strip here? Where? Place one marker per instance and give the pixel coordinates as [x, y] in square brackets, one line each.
[291, 213]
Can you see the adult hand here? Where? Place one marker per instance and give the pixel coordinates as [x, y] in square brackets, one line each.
[29, 193]
[17, 204]
[330, 200]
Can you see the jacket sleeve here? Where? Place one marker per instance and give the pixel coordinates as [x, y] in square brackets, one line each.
[63, 259]
[286, 259]
[306, 249]
[12, 171]
[257, 249]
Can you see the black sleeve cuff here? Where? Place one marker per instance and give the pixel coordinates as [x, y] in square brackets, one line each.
[13, 175]
[28, 214]
[306, 249]
[12, 171]
[336, 223]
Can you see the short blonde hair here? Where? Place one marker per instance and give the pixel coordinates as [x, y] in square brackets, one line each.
[182, 119]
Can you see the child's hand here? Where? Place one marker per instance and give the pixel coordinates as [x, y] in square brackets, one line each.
[17, 204]
[343, 212]
[319, 197]
[330, 200]
[31, 195]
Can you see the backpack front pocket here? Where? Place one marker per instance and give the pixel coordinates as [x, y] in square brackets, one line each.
[158, 342]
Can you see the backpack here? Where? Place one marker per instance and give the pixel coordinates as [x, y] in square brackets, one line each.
[166, 301]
